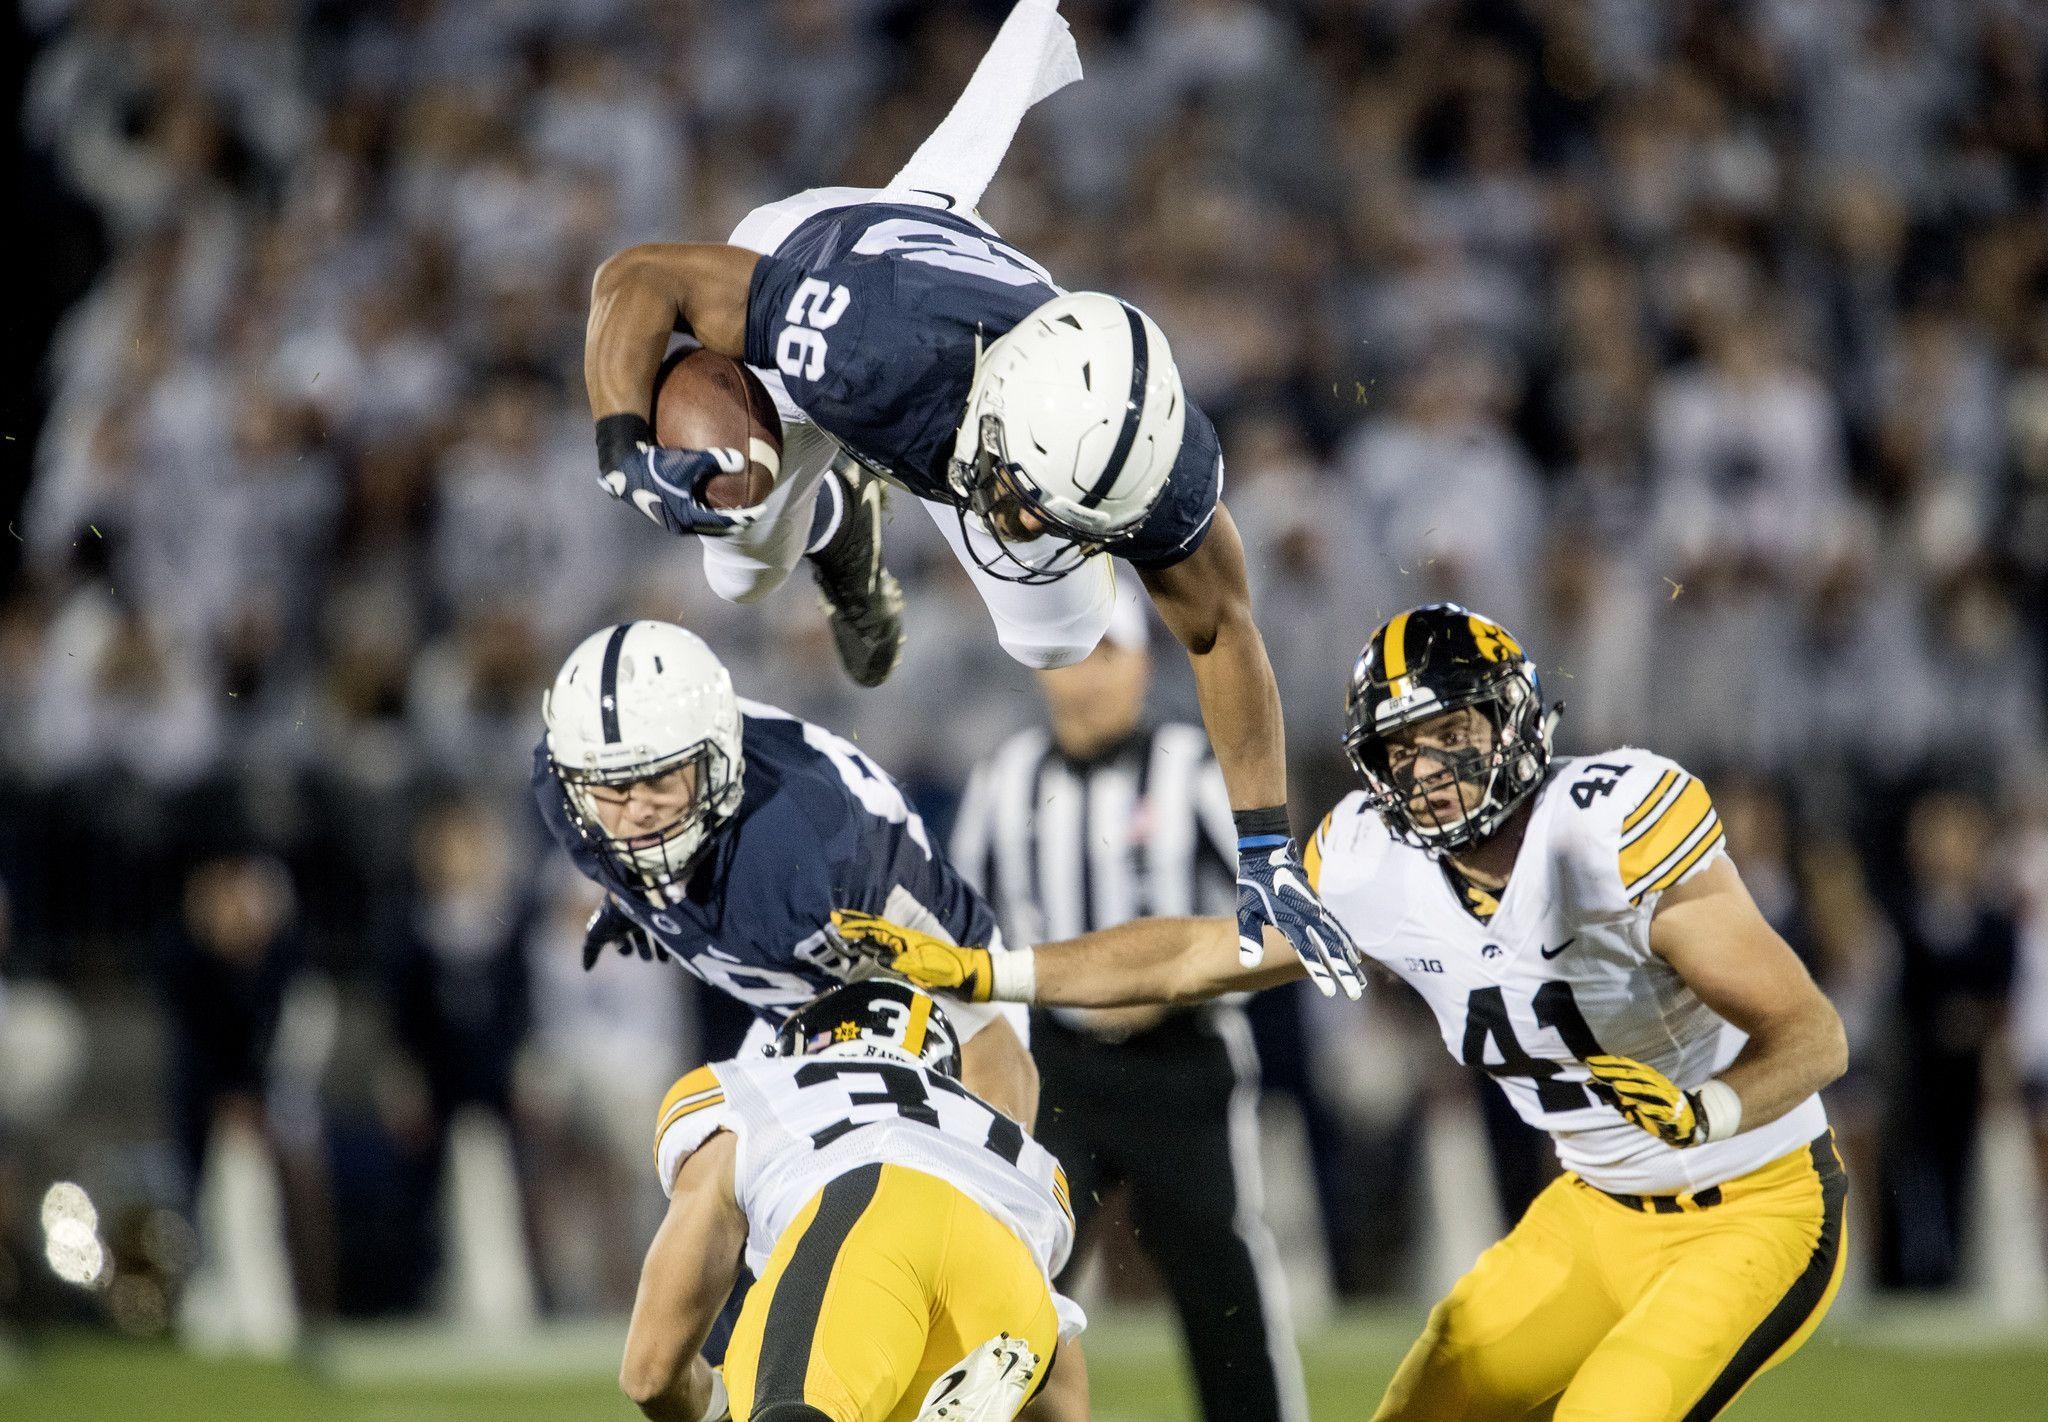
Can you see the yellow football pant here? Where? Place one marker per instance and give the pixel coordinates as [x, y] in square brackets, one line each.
[883, 1281]
[1600, 1309]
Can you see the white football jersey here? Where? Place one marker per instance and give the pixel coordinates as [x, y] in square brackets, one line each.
[1563, 968]
[801, 1122]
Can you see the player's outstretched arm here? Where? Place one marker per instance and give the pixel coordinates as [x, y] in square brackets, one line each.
[1150, 960]
[1206, 600]
[690, 1271]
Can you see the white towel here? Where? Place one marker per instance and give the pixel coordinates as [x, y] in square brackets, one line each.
[1033, 57]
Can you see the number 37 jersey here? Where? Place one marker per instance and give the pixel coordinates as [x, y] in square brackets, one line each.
[1563, 970]
[802, 1122]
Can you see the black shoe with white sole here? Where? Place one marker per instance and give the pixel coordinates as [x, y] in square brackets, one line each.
[862, 598]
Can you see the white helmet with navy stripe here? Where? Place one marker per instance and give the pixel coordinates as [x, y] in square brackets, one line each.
[637, 702]
[1075, 420]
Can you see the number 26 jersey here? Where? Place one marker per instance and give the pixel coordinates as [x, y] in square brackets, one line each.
[867, 316]
[801, 1122]
[1563, 969]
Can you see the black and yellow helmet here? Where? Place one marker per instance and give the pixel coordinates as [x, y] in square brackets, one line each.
[1420, 664]
[878, 1016]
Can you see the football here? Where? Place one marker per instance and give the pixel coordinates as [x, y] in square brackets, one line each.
[703, 400]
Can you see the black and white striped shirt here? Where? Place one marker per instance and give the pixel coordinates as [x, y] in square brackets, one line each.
[1061, 847]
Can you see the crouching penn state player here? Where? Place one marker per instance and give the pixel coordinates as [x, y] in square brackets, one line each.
[1046, 433]
[904, 1234]
[724, 832]
[1581, 934]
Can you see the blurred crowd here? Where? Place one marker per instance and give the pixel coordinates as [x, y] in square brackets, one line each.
[1704, 344]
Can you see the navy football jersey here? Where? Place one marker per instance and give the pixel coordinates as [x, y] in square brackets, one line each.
[871, 314]
[820, 826]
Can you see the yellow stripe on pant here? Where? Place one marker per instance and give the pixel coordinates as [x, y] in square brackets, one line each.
[884, 1280]
[1622, 1312]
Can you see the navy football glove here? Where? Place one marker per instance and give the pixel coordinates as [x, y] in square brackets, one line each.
[609, 927]
[1272, 888]
[667, 485]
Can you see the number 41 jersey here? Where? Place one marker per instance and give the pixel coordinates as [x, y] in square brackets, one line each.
[802, 1122]
[1563, 969]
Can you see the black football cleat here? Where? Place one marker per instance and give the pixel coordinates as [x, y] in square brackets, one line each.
[863, 600]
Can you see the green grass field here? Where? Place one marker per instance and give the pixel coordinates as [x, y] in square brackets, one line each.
[1929, 1367]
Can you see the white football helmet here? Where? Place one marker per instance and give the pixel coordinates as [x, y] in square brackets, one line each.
[1074, 419]
[634, 702]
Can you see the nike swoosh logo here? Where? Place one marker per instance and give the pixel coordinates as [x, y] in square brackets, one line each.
[1553, 952]
[942, 197]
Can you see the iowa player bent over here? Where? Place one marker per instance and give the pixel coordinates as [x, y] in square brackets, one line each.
[1580, 933]
[903, 1233]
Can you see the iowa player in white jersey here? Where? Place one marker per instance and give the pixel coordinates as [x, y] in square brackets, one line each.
[1580, 933]
[903, 1234]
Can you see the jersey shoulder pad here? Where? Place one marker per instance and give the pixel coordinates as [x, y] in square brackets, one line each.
[1347, 847]
[691, 1112]
[1637, 823]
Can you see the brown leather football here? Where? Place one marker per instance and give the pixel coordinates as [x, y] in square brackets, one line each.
[703, 400]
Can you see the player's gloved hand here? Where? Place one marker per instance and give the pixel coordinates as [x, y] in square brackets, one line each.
[1648, 1099]
[930, 962]
[1272, 888]
[667, 485]
[609, 927]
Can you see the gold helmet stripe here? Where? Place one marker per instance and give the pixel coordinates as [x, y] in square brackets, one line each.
[1394, 647]
[920, 1016]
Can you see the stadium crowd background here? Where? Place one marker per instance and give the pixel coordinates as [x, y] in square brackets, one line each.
[1704, 344]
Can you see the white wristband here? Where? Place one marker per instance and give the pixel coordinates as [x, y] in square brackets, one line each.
[1012, 975]
[718, 1406]
[1720, 1108]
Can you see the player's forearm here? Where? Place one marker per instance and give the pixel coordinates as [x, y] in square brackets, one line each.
[1168, 960]
[1064, 1398]
[636, 301]
[1207, 602]
[1787, 1059]
[685, 1397]
[1241, 709]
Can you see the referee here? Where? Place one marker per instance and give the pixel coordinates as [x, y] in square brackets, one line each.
[1105, 819]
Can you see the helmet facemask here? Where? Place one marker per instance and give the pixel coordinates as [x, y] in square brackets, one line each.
[993, 495]
[1503, 773]
[658, 860]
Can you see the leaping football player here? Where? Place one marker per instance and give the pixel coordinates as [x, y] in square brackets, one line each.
[903, 1233]
[724, 832]
[1046, 432]
[1581, 934]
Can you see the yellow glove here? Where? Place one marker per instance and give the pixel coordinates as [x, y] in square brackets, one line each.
[932, 963]
[1648, 1098]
